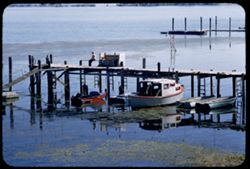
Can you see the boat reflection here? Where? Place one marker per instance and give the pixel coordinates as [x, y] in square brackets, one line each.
[165, 122]
[157, 118]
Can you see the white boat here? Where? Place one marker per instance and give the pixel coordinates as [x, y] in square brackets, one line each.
[156, 92]
[215, 103]
[189, 103]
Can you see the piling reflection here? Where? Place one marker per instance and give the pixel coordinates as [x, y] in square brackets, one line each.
[157, 118]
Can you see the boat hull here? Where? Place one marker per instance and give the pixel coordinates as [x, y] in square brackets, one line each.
[217, 103]
[151, 101]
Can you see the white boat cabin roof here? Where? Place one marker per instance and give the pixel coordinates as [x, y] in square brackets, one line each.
[159, 80]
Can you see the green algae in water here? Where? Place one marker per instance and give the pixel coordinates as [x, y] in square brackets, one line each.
[116, 152]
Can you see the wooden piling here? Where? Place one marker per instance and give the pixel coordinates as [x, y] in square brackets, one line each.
[144, 63]
[234, 86]
[158, 67]
[198, 85]
[201, 23]
[210, 26]
[185, 24]
[172, 24]
[100, 81]
[10, 72]
[108, 83]
[121, 91]
[66, 87]
[211, 86]
[137, 84]
[38, 88]
[50, 58]
[218, 85]
[215, 24]
[243, 99]
[81, 89]
[192, 85]
[32, 79]
[50, 89]
[229, 25]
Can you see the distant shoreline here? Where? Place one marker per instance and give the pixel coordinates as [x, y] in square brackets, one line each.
[109, 4]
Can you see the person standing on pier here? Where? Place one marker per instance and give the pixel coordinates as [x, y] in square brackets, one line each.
[92, 58]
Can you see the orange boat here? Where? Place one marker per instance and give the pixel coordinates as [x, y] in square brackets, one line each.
[93, 98]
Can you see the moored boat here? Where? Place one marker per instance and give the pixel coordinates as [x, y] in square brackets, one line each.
[215, 103]
[189, 103]
[156, 92]
[93, 98]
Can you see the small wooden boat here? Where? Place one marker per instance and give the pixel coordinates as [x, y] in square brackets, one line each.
[156, 92]
[117, 100]
[215, 103]
[189, 103]
[93, 98]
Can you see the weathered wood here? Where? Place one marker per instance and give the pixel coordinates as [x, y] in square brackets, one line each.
[32, 79]
[218, 85]
[108, 83]
[201, 23]
[80, 63]
[100, 81]
[198, 85]
[185, 24]
[234, 86]
[215, 24]
[210, 26]
[172, 24]
[211, 86]
[66, 87]
[192, 85]
[10, 72]
[229, 27]
[38, 88]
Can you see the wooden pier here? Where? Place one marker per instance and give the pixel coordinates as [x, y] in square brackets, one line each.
[66, 70]
[202, 31]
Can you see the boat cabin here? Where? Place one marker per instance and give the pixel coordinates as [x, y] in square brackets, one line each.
[158, 87]
[114, 60]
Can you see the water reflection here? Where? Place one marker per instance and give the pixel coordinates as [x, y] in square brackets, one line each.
[157, 118]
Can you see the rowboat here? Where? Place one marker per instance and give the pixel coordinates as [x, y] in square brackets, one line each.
[215, 103]
[93, 98]
[156, 92]
[189, 103]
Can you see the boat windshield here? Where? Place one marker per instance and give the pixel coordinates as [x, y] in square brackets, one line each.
[150, 89]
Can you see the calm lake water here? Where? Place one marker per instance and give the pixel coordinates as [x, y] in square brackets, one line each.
[110, 136]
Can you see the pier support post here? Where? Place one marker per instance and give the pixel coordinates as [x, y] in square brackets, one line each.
[198, 85]
[218, 85]
[50, 90]
[210, 26]
[66, 87]
[108, 84]
[81, 89]
[38, 88]
[243, 99]
[215, 25]
[121, 88]
[32, 79]
[229, 25]
[201, 23]
[159, 68]
[144, 63]
[172, 24]
[100, 81]
[192, 85]
[177, 76]
[10, 72]
[185, 24]
[234, 86]
[211, 86]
